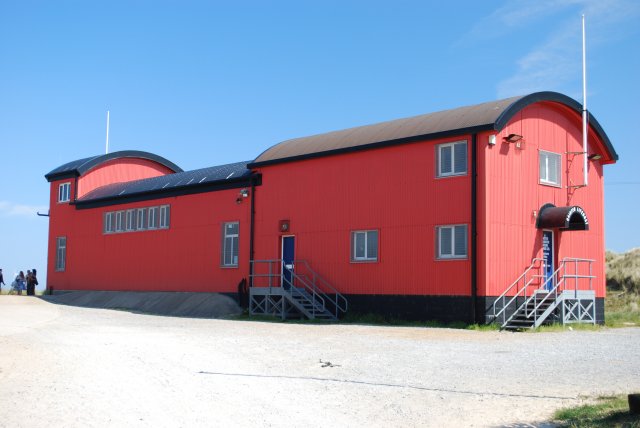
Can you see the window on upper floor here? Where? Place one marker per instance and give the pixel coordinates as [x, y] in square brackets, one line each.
[451, 159]
[64, 192]
[550, 168]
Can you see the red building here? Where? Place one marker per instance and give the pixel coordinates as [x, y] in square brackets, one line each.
[469, 214]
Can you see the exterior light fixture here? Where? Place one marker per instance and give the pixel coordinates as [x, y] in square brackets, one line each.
[514, 138]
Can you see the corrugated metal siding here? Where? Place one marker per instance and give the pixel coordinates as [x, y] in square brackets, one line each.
[119, 170]
[186, 257]
[510, 186]
[393, 190]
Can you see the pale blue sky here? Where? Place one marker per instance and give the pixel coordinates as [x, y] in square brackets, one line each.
[206, 83]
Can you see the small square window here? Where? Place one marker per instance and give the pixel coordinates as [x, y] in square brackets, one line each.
[364, 246]
[451, 242]
[451, 159]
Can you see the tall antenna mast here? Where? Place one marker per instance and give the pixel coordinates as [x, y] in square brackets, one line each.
[107, 146]
[584, 106]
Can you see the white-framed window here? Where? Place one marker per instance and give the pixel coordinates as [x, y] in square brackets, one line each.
[451, 241]
[164, 216]
[109, 222]
[131, 220]
[61, 253]
[451, 159]
[364, 246]
[550, 168]
[230, 235]
[119, 221]
[153, 217]
[64, 192]
[142, 219]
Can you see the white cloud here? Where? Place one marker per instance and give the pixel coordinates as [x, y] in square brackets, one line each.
[12, 209]
[557, 61]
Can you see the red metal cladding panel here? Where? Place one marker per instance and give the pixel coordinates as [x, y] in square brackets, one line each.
[511, 196]
[393, 190]
[118, 171]
[185, 257]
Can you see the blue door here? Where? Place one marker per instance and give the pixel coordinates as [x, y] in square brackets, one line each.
[547, 257]
[288, 256]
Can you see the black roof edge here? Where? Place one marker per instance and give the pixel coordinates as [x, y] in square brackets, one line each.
[168, 193]
[92, 163]
[407, 140]
[557, 97]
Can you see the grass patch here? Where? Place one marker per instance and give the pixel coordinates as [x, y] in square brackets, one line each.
[622, 309]
[606, 412]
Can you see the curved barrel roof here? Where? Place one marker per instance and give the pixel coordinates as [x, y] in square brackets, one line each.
[185, 182]
[79, 167]
[493, 115]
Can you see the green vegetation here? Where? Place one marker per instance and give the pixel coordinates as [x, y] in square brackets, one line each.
[606, 412]
[622, 305]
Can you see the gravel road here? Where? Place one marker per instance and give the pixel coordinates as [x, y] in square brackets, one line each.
[71, 366]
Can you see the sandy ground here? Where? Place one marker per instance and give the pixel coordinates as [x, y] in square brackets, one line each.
[70, 366]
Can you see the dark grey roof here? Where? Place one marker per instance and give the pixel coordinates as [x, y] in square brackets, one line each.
[205, 177]
[492, 115]
[78, 167]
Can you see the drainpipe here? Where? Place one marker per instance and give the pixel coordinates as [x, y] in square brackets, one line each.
[474, 226]
[252, 227]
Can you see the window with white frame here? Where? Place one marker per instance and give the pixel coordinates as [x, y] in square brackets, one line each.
[131, 220]
[119, 221]
[550, 168]
[164, 216]
[451, 241]
[61, 253]
[364, 246]
[109, 222]
[142, 219]
[153, 217]
[64, 192]
[230, 235]
[451, 159]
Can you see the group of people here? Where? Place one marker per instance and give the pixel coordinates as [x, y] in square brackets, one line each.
[22, 283]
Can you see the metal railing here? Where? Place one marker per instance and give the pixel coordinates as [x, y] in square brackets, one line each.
[544, 293]
[302, 283]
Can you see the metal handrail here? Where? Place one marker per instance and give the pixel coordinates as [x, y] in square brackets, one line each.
[315, 285]
[523, 291]
[557, 289]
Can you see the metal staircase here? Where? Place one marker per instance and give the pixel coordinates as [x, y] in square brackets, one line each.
[292, 291]
[566, 296]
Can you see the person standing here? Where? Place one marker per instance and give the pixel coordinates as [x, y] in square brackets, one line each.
[20, 281]
[32, 281]
[1, 280]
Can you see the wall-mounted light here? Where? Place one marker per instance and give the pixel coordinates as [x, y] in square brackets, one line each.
[595, 156]
[492, 140]
[243, 193]
[514, 138]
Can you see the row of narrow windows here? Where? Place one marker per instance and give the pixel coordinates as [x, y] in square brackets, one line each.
[137, 219]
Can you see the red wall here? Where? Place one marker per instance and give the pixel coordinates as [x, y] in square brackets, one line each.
[509, 193]
[118, 171]
[393, 190]
[185, 257]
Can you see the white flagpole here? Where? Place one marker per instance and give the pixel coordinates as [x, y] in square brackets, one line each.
[584, 105]
[107, 147]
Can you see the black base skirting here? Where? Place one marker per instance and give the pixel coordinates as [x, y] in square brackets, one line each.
[432, 308]
[412, 308]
